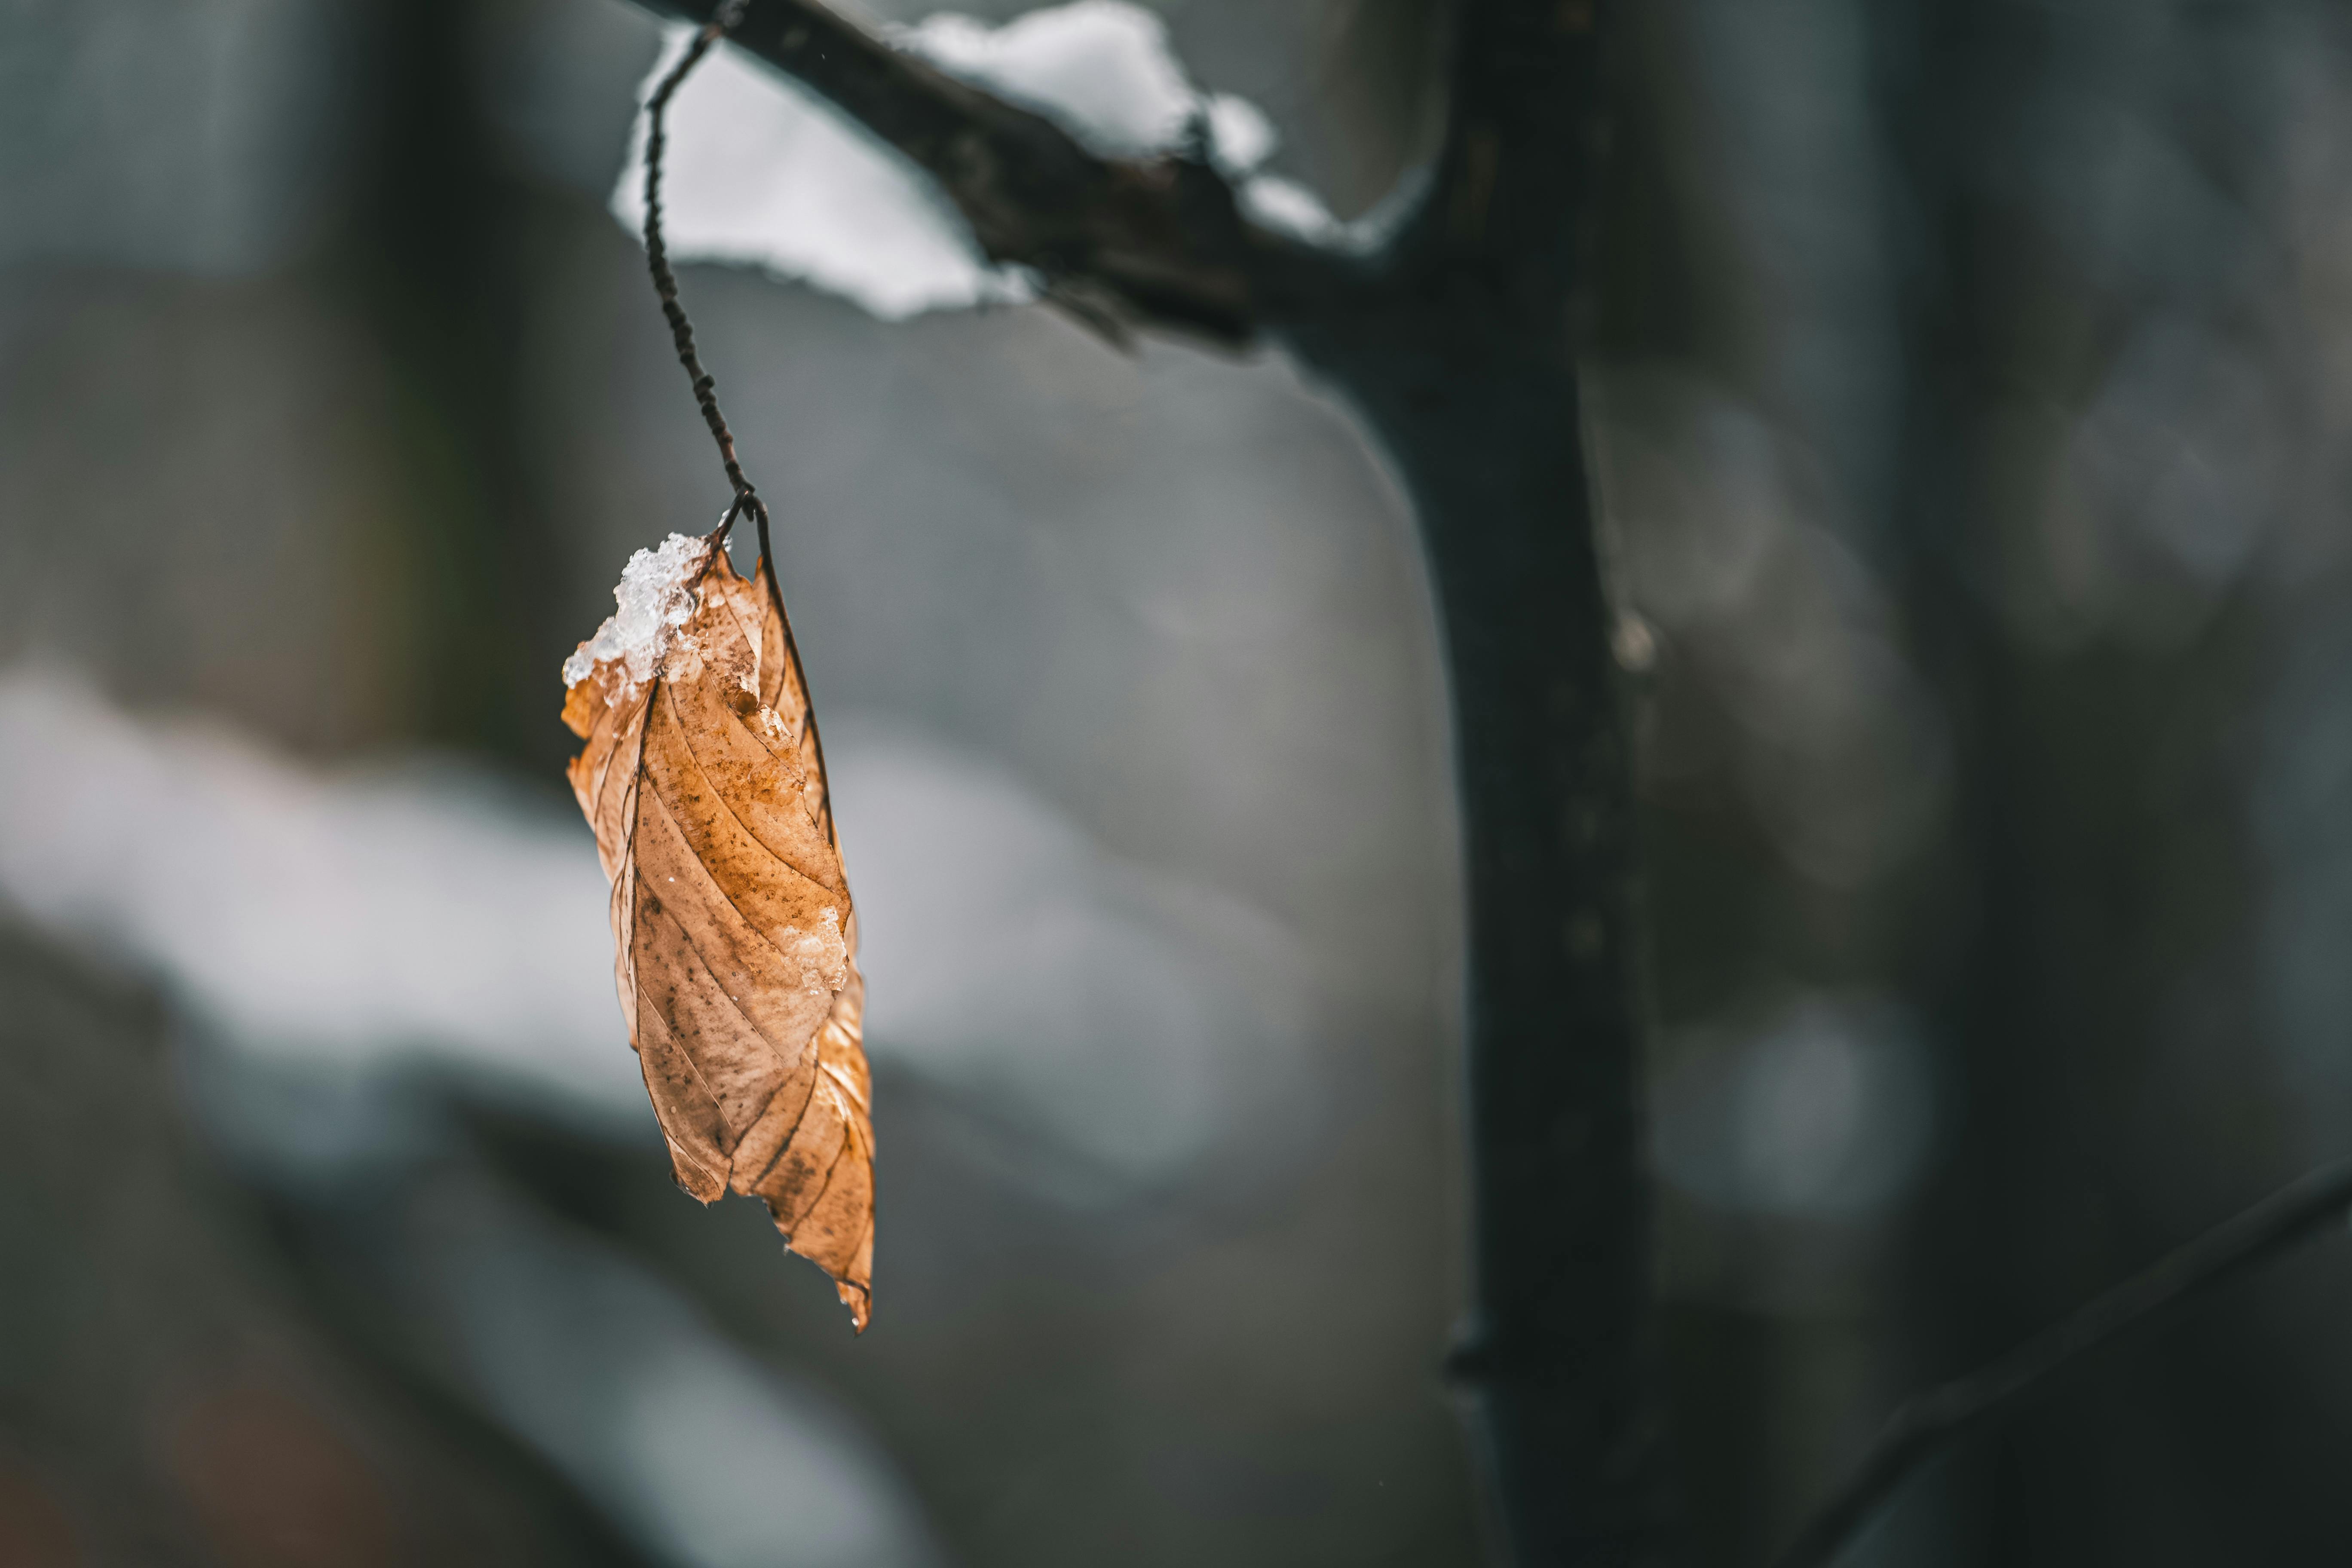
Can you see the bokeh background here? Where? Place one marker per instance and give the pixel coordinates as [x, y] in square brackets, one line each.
[1970, 382]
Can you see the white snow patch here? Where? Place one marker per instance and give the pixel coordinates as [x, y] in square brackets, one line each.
[761, 171]
[1240, 135]
[655, 598]
[1287, 206]
[1102, 68]
[822, 955]
[339, 920]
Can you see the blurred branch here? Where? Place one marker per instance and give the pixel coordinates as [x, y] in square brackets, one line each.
[1454, 340]
[1930, 1422]
[1157, 242]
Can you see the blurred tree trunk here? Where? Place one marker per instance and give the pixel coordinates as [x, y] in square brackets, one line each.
[2097, 856]
[433, 251]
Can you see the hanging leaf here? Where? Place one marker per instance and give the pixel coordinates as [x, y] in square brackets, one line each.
[734, 939]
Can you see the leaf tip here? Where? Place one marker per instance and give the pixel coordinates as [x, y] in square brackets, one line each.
[859, 1300]
[691, 1177]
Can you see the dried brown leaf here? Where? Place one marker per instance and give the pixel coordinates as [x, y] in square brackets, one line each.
[734, 939]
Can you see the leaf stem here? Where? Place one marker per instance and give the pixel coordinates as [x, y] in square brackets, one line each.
[706, 393]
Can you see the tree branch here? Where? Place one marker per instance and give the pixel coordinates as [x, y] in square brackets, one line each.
[1454, 342]
[1932, 1422]
[1158, 242]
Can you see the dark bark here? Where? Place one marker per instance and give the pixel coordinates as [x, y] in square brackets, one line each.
[1558, 1351]
[1461, 357]
[1455, 341]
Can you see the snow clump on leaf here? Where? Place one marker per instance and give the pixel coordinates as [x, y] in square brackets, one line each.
[655, 595]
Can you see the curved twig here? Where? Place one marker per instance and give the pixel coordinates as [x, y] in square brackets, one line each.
[1929, 1423]
[706, 388]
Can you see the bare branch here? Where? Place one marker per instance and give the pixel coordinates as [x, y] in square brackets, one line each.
[1934, 1421]
[1454, 342]
[1158, 241]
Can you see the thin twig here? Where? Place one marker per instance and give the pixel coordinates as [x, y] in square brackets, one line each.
[1932, 1422]
[706, 389]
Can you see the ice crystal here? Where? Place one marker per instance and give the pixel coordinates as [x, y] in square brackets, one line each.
[655, 596]
[822, 955]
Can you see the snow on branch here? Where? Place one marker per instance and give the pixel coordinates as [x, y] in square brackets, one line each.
[1090, 201]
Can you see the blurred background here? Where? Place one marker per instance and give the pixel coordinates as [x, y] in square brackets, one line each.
[1970, 382]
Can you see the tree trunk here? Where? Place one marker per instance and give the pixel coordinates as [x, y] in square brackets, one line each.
[1453, 339]
[1483, 424]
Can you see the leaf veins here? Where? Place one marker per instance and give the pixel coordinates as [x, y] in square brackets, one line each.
[734, 938]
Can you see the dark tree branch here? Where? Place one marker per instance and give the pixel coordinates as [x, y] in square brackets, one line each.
[1932, 1422]
[1157, 241]
[1460, 352]
[1454, 342]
